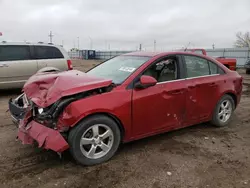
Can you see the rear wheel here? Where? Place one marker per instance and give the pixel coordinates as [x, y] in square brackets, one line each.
[248, 71]
[223, 111]
[94, 140]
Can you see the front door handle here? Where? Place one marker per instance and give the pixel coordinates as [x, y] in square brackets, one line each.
[191, 86]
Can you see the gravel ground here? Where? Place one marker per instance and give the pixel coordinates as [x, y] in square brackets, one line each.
[198, 156]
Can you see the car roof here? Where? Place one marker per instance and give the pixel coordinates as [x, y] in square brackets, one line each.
[152, 54]
[142, 53]
[27, 44]
[63, 51]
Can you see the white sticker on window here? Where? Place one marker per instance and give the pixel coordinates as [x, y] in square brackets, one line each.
[127, 69]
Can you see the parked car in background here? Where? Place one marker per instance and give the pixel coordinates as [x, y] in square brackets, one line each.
[128, 97]
[19, 61]
[247, 66]
[230, 63]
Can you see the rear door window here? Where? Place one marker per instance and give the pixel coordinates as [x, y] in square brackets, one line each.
[196, 66]
[215, 69]
[47, 52]
[14, 53]
[220, 71]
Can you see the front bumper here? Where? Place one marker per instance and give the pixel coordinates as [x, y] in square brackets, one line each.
[30, 131]
[44, 136]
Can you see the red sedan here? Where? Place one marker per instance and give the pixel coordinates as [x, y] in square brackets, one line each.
[128, 97]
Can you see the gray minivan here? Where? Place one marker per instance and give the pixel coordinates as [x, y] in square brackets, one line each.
[19, 61]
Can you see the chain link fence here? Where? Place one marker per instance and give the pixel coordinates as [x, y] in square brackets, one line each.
[240, 54]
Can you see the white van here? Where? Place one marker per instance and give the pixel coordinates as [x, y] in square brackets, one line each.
[19, 61]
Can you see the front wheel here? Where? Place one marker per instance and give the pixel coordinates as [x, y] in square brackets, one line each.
[94, 140]
[223, 111]
[247, 71]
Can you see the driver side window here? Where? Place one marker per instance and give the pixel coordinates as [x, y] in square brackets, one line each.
[164, 70]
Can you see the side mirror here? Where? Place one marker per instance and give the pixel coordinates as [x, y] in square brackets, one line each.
[145, 82]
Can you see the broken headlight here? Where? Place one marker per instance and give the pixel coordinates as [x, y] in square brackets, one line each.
[40, 110]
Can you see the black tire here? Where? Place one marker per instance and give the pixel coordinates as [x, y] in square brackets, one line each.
[215, 119]
[247, 71]
[76, 133]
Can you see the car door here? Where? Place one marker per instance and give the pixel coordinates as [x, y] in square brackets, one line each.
[162, 106]
[3, 67]
[50, 56]
[16, 65]
[203, 78]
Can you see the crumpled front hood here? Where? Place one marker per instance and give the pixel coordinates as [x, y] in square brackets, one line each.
[46, 88]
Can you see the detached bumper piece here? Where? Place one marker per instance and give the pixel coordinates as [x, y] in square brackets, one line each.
[44, 136]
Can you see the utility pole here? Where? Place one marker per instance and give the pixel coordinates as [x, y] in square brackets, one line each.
[91, 43]
[213, 46]
[140, 47]
[50, 36]
[154, 45]
[62, 42]
[78, 43]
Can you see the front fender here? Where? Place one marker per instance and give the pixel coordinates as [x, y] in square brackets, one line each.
[117, 103]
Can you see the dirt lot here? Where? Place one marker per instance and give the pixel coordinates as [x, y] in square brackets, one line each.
[199, 156]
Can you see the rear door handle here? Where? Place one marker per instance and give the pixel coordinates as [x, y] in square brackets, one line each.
[212, 84]
[176, 92]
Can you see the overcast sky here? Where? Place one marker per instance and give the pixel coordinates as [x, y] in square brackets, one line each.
[124, 24]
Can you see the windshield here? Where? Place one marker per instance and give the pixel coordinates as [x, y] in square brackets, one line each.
[118, 68]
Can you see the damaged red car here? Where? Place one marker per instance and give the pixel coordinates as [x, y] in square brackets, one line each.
[128, 97]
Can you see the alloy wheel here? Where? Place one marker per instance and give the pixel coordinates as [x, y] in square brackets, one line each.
[225, 111]
[96, 141]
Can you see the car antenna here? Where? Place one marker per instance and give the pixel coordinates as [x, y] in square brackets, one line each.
[187, 47]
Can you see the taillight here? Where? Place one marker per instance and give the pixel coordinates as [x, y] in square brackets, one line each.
[70, 66]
